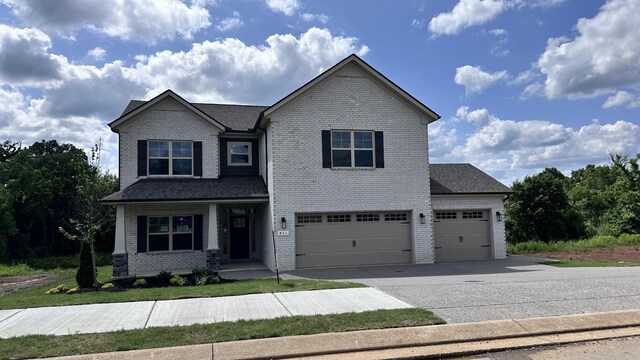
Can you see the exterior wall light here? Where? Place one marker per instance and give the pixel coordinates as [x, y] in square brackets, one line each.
[423, 219]
[283, 222]
[498, 216]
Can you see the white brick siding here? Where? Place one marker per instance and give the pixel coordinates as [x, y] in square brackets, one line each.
[298, 182]
[491, 203]
[145, 263]
[167, 120]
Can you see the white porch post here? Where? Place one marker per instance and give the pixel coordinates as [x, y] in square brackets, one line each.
[212, 240]
[119, 246]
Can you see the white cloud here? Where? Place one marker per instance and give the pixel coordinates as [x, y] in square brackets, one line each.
[605, 54]
[97, 53]
[475, 80]
[287, 7]
[620, 98]
[498, 32]
[511, 149]
[140, 20]
[418, 23]
[322, 18]
[230, 23]
[466, 13]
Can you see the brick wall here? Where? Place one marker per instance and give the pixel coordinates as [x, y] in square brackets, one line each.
[167, 120]
[347, 100]
[491, 203]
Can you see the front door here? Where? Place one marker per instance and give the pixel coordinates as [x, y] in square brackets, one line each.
[239, 237]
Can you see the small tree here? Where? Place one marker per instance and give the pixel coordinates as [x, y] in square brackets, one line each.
[91, 215]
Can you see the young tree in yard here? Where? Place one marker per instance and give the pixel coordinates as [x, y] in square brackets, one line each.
[539, 209]
[90, 217]
[7, 223]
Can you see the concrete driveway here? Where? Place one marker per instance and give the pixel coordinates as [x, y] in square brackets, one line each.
[515, 288]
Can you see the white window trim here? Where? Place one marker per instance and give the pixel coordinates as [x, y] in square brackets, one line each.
[170, 158]
[170, 233]
[250, 153]
[353, 149]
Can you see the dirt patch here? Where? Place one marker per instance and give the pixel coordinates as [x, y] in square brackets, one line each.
[9, 284]
[617, 254]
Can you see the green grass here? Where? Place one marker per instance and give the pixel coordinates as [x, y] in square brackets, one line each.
[17, 270]
[46, 346]
[575, 245]
[588, 263]
[36, 297]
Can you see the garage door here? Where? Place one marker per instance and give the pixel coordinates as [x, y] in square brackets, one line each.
[353, 239]
[462, 235]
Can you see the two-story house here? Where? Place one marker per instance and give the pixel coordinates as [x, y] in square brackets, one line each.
[335, 174]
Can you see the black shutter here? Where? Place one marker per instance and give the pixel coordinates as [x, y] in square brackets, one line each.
[326, 148]
[379, 149]
[142, 234]
[197, 232]
[197, 158]
[142, 157]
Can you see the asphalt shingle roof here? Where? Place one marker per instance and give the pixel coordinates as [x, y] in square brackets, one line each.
[224, 188]
[235, 117]
[463, 179]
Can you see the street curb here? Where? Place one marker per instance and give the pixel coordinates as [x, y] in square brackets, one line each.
[397, 338]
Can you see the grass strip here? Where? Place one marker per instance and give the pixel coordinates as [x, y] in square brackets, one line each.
[47, 346]
[36, 297]
[574, 245]
[588, 263]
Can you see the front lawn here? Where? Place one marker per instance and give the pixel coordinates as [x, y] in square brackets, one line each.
[36, 297]
[47, 346]
[587, 263]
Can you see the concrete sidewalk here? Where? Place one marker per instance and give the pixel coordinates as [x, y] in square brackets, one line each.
[414, 342]
[95, 318]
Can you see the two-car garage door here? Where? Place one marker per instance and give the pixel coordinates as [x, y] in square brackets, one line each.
[353, 239]
[462, 234]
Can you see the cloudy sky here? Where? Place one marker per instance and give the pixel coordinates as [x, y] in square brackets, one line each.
[520, 85]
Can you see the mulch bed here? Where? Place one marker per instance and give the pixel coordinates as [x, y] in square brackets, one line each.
[617, 254]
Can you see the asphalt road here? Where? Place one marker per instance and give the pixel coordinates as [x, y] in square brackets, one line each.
[515, 288]
[619, 349]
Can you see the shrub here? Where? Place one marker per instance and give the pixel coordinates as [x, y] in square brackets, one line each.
[177, 280]
[201, 280]
[108, 286]
[139, 283]
[57, 290]
[84, 275]
[53, 291]
[164, 276]
[72, 291]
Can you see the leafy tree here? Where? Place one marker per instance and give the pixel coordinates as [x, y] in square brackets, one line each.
[539, 209]
[7, 223]
[9, 148]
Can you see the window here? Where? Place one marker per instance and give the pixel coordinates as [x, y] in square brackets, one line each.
[339, 218]
[352, 149]
[367, 217]
[170, 233]
[170, 157]
[446, 215]
[239, 153]
[472, 214]
[395, 217]
[309, 219]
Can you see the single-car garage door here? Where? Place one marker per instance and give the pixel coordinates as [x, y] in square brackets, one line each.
[462, 235]
[353, 239]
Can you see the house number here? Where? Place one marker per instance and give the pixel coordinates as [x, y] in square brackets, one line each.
[283, 232]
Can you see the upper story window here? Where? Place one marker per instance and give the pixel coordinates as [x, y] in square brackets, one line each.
[239, 153]
[170, 157]
[352, 149]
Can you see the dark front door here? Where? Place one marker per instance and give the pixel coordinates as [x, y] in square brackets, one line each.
[239, 237]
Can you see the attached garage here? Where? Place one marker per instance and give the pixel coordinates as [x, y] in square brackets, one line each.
[353, 239]
[462, 235]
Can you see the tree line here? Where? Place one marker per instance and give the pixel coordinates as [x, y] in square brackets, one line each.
[594, 200]
[42, 189]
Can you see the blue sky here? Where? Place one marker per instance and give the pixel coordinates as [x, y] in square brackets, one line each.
[520, 85]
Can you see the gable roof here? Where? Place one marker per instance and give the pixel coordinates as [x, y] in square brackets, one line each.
[135, 108]
[461, 179]
[353, 59]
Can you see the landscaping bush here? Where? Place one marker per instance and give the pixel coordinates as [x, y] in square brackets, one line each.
[108, 286]
[60, 289]
[139, 283]
[164, 276]
[204, 276]
[177, 280]
[84, 275]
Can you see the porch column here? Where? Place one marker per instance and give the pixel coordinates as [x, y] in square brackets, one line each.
[213, 250]
[119, 256]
